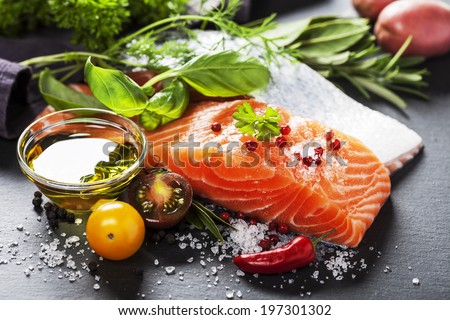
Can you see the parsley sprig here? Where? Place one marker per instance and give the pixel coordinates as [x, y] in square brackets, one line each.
[263, 127]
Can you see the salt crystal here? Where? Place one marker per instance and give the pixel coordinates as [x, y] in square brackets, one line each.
[190, 260]
[416, 281]
[78, 221]
[19, 227]
[240, 273]
[156, 262]
[215, 250]
[202, 263]
[96, 286]
[182, 245]
[213, 270]
[229, 294]
[291, 281]
[239, 294]
[170, 270]
[181, 278]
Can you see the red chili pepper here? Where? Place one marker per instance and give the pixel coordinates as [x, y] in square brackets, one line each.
[298, 253]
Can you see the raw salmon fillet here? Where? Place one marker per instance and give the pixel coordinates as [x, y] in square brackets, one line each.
[345, 192]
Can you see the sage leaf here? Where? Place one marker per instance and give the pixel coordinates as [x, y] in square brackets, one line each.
[286, 33]
[115, 90]
[61, 97]
[224, 74]
[330, 37]
[165, 106]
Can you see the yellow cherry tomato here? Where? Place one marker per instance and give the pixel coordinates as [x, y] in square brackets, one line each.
[115, 230]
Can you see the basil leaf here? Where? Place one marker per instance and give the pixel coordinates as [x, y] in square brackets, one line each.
[115, 90]
[224, 74]
[165, 106]
[61, 97]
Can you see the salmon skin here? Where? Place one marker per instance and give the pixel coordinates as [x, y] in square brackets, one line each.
[345, 192]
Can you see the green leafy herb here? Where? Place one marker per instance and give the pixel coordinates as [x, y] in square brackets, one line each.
[222, 74]
[95, 24]
[62, 97]
[344, 49]
[115, 90]
[165, 106]
[263, 127]
[204, 218]
[341, 49]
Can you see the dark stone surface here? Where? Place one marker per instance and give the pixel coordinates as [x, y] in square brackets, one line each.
[412, 230]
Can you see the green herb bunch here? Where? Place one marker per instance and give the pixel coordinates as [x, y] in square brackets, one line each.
[344, 49]
[95, 23]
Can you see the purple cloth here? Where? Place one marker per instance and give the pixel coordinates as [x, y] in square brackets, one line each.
[15, 112]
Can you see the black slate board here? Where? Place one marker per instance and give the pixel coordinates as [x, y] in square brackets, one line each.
[412, 230]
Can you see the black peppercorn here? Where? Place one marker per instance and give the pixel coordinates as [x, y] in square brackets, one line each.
[61, 213]
[170, 238]
[37, 194]
[48, 206]
[37, 202]
[53, 223]
[70, 217]
[156, 237]
[51, 215]
[93, 266]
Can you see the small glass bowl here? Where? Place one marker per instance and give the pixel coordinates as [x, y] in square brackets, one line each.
[93, 123]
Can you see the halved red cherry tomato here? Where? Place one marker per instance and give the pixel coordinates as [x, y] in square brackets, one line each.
[161, 197]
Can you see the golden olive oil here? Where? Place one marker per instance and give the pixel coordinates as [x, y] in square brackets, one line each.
[82, 163]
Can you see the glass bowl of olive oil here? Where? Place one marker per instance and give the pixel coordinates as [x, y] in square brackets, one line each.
[78, 157]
